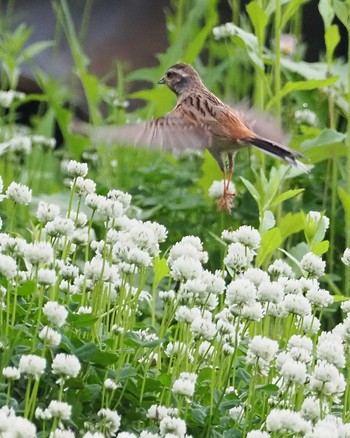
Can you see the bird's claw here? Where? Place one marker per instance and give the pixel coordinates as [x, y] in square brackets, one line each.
[226, 201]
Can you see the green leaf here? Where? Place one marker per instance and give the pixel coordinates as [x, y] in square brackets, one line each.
[332, 39]
[252, 190]
[340, 298]
[286, 195]
[34, 49]
[341, 9]
[325, 137]
[26, 288]
[270, 240]
[268, 221]
[85, 352]
[259, 20]
[320, 247]
[291, 223]
[326, 11]
[161, 270]
[292, 8]
[104, 358]
[310, 84]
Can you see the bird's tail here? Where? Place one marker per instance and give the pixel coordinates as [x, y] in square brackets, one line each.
[284, 153]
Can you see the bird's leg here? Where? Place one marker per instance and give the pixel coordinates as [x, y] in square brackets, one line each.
[226, 201]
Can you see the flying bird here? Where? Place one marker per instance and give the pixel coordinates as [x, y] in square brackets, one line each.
[199, 120]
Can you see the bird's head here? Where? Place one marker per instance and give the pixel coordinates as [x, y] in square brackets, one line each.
[181, 78]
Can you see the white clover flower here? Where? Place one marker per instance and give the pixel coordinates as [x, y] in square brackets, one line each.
[246, 235]
[328, 427]
[62, 433]
[330, 348]
[17, 427]
[319, 298]
[345, 306]
[306, 117]
[93, 435]
[176, 348]
[310, 408]
[111, 419]
[48, 142]
[297, 304]
[185, 384]
[8, 96]
[185, 268]
[224, 31]
[251, 311]
[36, 253]
[94, 201]
[68, 272]
[189, 247]
[216, 190]
[80, 219]
[110, 385]
[175, 427]
[51, 337]
[84, 310]
[46, 276]
[288, 43]
[126, 435]
[258, 434]
[270, 291]
[60, 226]
[346, 257]
[61, 410]
[236, 413]
[327, 380]
[313, 265]
[122, 197]
[55, 313]
[110, 209]
[238, 257]
[8, 266]
[66, 365]
[42, 414]
[316, 217]
[19, 193]
[300, 348]
[310, 324]
[294, 372]
[76, 169]
[21, 143]
[97, 269]
[256, 276]
[47, 212]
[166, 295]
[84, 186]
[32, 365]
[240, 292]
[158, 412]
[285, 421]
[279, 268]
[203, 327]
[261, 347]
[11, 373]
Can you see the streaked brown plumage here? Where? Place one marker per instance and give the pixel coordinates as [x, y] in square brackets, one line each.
[199, 120]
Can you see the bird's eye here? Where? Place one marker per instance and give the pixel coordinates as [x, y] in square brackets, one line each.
[170, 74]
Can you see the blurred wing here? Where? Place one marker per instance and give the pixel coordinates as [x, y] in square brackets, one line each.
[169, 132]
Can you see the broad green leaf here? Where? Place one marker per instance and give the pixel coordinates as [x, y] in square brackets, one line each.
[292, 8]
[252, 190]
[85, 352]
[104, 358]
[196, 45]
[270, 240]
[320, 247]
[268, 221]
[34, 49]
[332, 39]
[341, 9]
[286, 195]
[291, 223]
[324, 138]
[161, 270]
[310, 84]
[340, 298]
[26, 288]
[327, 12]
[259, 19]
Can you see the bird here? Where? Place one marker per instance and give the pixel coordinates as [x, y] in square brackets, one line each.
[199, 120]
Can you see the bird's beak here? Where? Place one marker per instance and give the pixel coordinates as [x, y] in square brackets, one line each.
[161, 81]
